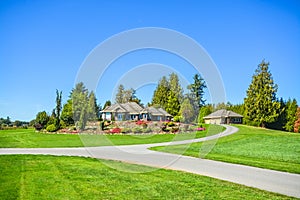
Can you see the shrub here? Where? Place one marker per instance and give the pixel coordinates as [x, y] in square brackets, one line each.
[175, 129]
[115, 130]
[171, 124]
[177, 118]
[38, 127]
[62, 124]
[51, 128]
[137, 130]
[147, 130]
[126, 130]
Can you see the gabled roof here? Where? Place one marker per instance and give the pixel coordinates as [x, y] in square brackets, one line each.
[115, 107]
[134, 109]
[222, 113]
[129, 107]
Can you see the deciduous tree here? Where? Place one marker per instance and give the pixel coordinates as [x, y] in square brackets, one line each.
[41, 119]
[297, 122]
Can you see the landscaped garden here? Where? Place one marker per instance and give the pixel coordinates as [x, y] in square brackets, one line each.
[60, 177]
[31, 138]
[252, 146]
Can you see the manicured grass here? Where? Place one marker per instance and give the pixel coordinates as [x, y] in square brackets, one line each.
[251, 146]
[49, 177]
[29, 138]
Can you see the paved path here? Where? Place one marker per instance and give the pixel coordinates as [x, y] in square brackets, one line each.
[270, 180]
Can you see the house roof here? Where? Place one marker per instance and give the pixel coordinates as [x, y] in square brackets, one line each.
[134, 109]
[164, 112]
[153, 111]
[222, 113]
[129, 107]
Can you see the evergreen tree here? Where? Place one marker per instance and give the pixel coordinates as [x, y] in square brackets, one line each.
[79, 97]
[92, 108]
[120, 94]
[291, 110]
[160, 96]
[261, 106]
[187, 111]
[124, 96]
[175, 87]
[134, 98]
[280, 122]
[107, 103]
[173, 104]
[58, 109]
[197, 91]
[237, 108]
[67, 113]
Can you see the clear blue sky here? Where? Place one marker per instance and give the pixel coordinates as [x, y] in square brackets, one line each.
[44, 43]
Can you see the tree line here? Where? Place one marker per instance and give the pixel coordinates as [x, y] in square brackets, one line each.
[80, 108]
[260, 107]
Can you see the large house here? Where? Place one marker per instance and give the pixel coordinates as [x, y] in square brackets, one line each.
[133, 111]
[223, 117]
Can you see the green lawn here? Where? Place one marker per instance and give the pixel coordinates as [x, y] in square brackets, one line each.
[50, 177]
[29, 138]
[251, 146]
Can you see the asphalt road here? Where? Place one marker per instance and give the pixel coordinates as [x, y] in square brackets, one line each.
[270, 180]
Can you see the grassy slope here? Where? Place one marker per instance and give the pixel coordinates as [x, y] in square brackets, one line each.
[29, 138]
[252, 146]
[50, 177]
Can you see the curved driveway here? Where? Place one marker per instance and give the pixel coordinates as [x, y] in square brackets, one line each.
[270, 180]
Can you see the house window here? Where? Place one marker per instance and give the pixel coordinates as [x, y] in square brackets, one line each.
[120, 117]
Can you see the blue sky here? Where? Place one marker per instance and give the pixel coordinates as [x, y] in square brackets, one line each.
[44, 43]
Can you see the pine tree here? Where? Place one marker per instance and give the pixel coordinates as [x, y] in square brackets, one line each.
[197, 92]
[291, 109]
[261, 106]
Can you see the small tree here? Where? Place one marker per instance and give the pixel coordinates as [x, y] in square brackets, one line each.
[291, 110]
[204, 111]
[41, 120]
[67, 113]
[297, 122]
[58, 109]
[173, 105]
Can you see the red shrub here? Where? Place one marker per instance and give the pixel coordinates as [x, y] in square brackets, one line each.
[115, 130]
